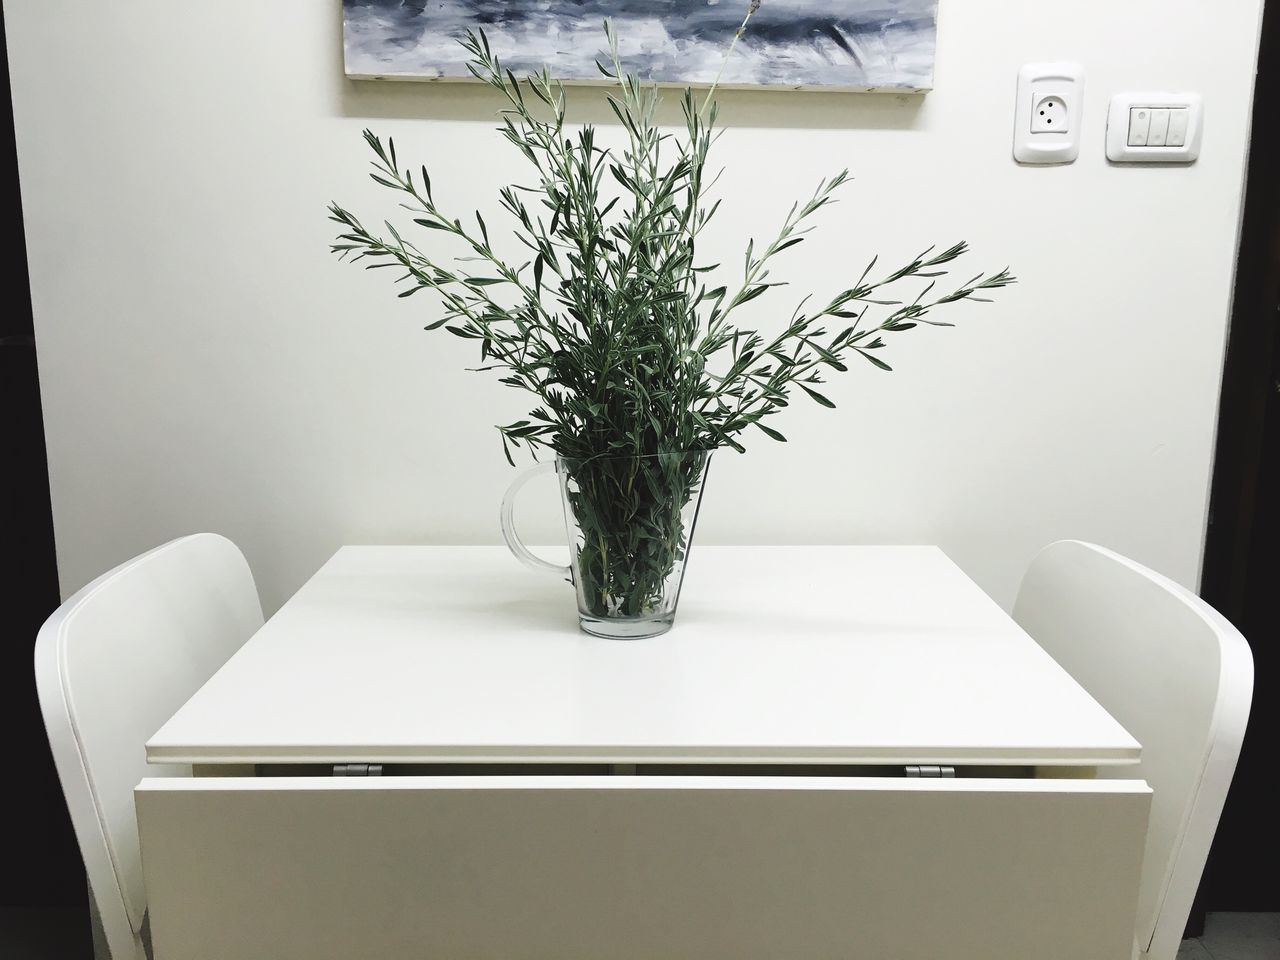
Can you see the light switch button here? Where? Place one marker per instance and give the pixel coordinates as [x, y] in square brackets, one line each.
[1155, 126]
[1159, 128]
[1139, 125]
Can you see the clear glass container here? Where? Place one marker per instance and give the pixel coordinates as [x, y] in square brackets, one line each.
[630, 523]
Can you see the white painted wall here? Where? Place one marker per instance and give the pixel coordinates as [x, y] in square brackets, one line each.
[206, 364]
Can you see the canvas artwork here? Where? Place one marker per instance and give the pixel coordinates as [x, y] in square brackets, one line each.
[834, 44]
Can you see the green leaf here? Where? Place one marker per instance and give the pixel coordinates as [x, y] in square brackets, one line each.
[771, 433]
[817, 396]
[876, 361]
[829, 358]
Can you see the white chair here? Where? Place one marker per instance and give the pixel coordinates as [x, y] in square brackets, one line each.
[1178, 677]
[112, 664]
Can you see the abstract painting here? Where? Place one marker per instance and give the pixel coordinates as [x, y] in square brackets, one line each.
[835, 44]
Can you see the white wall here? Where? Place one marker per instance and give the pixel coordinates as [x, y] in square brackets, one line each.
[206, 364]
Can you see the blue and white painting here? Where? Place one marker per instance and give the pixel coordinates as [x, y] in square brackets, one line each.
[839, 44]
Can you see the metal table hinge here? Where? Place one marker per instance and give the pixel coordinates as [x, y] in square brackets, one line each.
[930, 770]
[357, 769]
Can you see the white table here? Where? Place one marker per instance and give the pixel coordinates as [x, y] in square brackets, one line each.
[862, 660]
[779, 654]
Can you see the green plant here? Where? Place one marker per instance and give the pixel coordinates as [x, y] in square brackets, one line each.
[614, 324]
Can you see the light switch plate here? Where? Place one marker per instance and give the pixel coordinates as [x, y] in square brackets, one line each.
[1047, 114]
[1137, 118]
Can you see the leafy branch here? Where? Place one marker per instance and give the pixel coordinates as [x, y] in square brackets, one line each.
[611, 321]
[627, 341]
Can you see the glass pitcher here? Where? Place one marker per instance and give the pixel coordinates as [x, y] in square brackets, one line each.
[630, 523]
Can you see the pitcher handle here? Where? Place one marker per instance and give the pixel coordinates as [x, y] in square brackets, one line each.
[514, 543]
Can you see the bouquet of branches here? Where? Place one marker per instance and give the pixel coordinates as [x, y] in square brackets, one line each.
[614, 324]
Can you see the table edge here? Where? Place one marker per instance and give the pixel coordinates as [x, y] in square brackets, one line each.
[1065, 756]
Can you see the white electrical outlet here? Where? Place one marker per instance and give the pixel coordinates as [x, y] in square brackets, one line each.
[1047, 115]
[1048, 111]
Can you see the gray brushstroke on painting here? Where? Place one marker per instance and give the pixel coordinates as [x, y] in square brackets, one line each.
[853, 44]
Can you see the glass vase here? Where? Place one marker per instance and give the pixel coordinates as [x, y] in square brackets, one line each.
[630, 523]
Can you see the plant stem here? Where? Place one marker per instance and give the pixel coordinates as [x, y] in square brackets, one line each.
[752, 7]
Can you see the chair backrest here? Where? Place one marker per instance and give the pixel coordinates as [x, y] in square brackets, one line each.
[1177, 676]
[112, 664]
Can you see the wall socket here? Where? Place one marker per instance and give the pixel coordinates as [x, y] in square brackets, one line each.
[1049, 113]
[1047, 116]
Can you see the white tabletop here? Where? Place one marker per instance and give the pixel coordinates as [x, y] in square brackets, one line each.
[779, 654]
